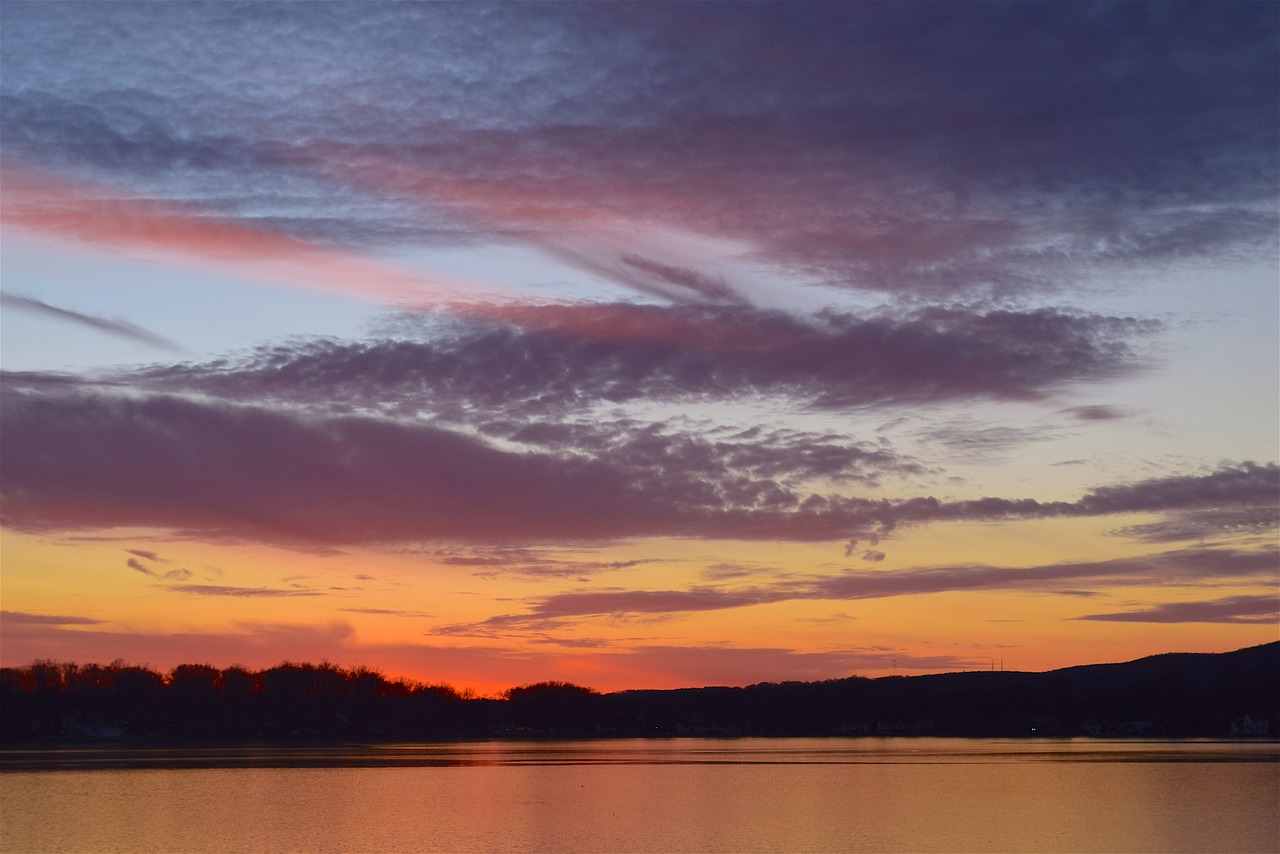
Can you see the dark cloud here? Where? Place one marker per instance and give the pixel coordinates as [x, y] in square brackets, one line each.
[148, 555]
[903, 147]
[253, 473]
[238, 592]
[1095, 413]
[133, 564]
[119, 328]
[728, 571]
[1203, 525]
[25, 618]
[1232, 486]
[709, 288]
[1231, 609]
[529, 563]
[962, 439]
[385, 612]
[526, 360]
[85, 460]
[1189, 567]
[1248, 487]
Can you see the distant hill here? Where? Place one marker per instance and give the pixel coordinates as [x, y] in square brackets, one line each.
[1234, 694]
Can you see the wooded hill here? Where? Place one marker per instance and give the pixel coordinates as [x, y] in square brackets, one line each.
[1178, 694]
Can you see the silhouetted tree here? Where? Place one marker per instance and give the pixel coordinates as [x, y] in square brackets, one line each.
[1193, 695]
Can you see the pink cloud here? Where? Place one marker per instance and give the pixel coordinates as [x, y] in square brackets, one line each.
[115, 219]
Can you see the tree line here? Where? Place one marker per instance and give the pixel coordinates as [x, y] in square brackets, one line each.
[1171, 695]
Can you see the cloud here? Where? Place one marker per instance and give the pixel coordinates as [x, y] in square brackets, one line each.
[239, 592]
[148, 555]
[964, 440]
[234, 471]
[226, 470]
[526, 360]
[28, 619]
[249, 644]
[741, 666]
[1095, 413]
[528, 563]
[729, 571]
[385, 612]
[1207, 524]
[710, 288]
[1247, 487]
[107, 216]
[615, 666]
[1231, 609]
[1189, 566]
[119, 328]
[1076, 136]
[133, 564]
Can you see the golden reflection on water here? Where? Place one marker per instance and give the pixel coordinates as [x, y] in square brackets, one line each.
[661, 795]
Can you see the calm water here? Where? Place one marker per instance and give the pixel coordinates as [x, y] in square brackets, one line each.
[650, 795]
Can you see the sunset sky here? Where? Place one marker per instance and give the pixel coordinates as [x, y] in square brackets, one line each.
[639, 345]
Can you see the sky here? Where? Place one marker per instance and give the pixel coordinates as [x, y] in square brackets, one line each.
[638, 345]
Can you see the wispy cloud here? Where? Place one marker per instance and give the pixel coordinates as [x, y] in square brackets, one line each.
[1097, 412]
[267, 474]
[138, 567]
[25, 618]
[529, 563]
[1231, 609]
[385, 612]
[119, 328]
[1190, 567]
[240, 592]
[556, 358]
[1255, 520]
[776, 134]
[179, 574]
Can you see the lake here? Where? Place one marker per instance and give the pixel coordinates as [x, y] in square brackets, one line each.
[854, 794]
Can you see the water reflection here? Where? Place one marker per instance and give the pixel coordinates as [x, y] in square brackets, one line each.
[832, 751]
[662, 795]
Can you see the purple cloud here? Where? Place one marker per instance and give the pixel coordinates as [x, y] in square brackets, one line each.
[119, 328]
[1095, 413]
[1205, 524]
[385, 612]
[709, 288]
[248, 472]
[1188, 567]
[627, 665]
[133, 564]
[1247, 487]
[551, 358]
[1231, 609]
[529, 563]
[28, 619]
[239, 592]
[1119, 132]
